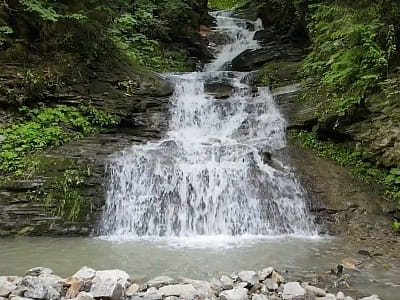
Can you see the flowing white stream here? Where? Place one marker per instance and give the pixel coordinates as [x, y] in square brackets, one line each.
[209, 177]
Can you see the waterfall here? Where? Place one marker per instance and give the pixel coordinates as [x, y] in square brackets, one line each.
[221, 170]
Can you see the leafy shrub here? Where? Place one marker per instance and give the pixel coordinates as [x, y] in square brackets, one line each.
[226, 4]
[348, 56]
[46, 127]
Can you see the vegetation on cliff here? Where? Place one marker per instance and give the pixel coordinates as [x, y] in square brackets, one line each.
[67, 68]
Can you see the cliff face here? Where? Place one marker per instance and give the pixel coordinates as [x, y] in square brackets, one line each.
[36, 75]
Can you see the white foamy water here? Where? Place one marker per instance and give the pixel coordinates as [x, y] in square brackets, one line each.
[208, 181]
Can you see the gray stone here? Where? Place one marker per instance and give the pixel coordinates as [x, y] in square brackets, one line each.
[264, 273]
[271, 284]
[293, 290]
[2, 138]
[250, 277]
[186, 291]
[373, 297]
[107, 290]
[204, 288]
[348, 298]
[234, 294]
[340, 296]
[315, 291]
[227, 282]
[160, 281]
[6, 287]
[20, 298]
[259, 297]
[84, 296]
[110, 284]
[41, 288]
[85, 273]
[39, 271]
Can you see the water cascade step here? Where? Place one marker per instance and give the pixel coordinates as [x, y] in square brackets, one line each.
[222, 168]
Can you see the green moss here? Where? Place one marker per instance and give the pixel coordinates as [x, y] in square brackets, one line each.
[62, 193]
[354, 160]
[279, 73]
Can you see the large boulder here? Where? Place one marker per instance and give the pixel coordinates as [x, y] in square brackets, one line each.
[110, 284]
[43, 288]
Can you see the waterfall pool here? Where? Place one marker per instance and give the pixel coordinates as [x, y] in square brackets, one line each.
[200, 258]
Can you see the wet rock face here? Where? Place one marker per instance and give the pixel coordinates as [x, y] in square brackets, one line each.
[251, 60]
[118, 285]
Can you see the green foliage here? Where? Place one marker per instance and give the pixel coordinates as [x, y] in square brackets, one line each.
[396, 225]
[132, 34]
[226, 4]
[347, 55]
[355, 161]
[42, 9]
[39, 129]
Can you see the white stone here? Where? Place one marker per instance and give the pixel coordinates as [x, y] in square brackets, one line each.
[179, 290]
[85, 274]
[110, 284]
[340, 296]
[204, 288]
[118, 276]
[250, 277]
[264, 273]
[234, 294]
[160, 281]
[227, 282]
[259, 297]
[84, 296]
[348, 298]
[292, 290]
[373, 297]
[20, 298]
[6, 287]
[132, 290]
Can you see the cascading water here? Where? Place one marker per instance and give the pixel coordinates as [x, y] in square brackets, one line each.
[210, 176]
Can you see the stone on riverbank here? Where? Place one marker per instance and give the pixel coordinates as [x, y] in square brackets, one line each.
[237, 293]
[89, 284]
[293, 290]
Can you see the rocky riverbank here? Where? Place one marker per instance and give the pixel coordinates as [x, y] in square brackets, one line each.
[87, 284]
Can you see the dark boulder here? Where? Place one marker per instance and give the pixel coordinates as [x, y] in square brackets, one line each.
[250, 60]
